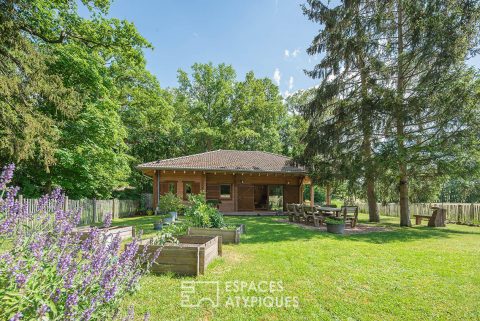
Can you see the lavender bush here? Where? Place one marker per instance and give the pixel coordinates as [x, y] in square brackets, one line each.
[47, 273]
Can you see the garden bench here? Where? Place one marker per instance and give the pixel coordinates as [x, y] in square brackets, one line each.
[309, 214]
[419, 218]
[437, 219]
[298, 212]
[350, 215]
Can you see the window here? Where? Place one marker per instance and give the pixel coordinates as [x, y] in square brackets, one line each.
[225, 191]
[172, 187]
[187, 190]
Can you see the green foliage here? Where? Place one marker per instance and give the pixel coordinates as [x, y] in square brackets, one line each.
[161, 238]
[200, 214]
[218, 112]
[334, 221]
[216, 218]
[397, 109]
[169, 203]
[63, 126]
[319, 193]
[177, 229]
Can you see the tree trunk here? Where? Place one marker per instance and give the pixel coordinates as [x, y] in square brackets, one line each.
[404, 208]
[373, 215]
[400, 123]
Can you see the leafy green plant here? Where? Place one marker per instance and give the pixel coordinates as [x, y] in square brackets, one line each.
[213, 203]
[169, 203]
[162, 238]
[177, 229]
[334, 221]
[200, 214]
[216, 218]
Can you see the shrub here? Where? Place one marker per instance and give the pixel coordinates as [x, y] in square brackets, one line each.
[177, 229]
[169, 203]
[216, 218]
[200, 214]
[48, 273]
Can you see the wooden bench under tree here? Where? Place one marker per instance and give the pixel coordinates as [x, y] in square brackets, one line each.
[437, 219]
[419, 218]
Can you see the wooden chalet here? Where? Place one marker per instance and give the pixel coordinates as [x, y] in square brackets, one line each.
[241, 181]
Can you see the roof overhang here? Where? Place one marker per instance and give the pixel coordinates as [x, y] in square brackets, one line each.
[199, 169]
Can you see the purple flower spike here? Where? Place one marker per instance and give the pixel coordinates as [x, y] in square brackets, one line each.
[7, 175]
[18, 316]
[80, 272]
[107, 220]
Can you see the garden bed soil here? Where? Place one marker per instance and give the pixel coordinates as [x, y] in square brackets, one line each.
[190, 257]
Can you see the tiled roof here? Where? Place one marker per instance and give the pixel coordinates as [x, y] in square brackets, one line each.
[228, 160]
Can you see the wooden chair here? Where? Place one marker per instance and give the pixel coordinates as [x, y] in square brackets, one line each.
[291, 212]
[350, 215]
[298, 211]
[309, 214]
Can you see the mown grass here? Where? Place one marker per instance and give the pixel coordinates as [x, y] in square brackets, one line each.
[415, 273]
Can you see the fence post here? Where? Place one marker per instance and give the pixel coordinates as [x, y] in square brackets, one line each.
[94, 210]
[65, 204]
[114, 212]
[472, 212]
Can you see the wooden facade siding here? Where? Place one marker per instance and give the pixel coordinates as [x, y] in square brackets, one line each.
[242, 185]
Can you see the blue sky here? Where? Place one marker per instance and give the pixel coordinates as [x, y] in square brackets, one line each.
[266, 36]
[248, 34]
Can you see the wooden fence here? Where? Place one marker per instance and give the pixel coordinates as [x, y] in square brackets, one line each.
[456, 212]
[146, 200]
[92, 210]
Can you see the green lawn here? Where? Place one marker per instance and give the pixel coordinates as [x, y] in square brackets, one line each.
[417, 273]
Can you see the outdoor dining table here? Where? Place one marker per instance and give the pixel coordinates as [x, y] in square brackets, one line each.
[324, 210]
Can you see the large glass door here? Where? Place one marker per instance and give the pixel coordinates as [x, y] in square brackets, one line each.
[275, 197]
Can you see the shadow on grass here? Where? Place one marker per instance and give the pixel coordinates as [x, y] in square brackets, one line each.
[268, 229]
[265, 230]
[407, 234]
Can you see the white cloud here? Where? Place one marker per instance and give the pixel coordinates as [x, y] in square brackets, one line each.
[286, 94]
[277, 76]
[290, 83]
[291, 53]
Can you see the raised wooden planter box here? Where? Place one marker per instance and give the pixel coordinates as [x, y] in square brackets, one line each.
[190, 257]
[124, 232]
[228, 235]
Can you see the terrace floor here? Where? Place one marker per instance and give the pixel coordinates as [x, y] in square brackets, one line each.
[417, 273]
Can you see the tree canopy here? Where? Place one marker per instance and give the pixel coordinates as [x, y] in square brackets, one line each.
[393, 81]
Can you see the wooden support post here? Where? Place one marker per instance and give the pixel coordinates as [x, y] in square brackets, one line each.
[156, 188]
[312, 195]
[328, 196]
